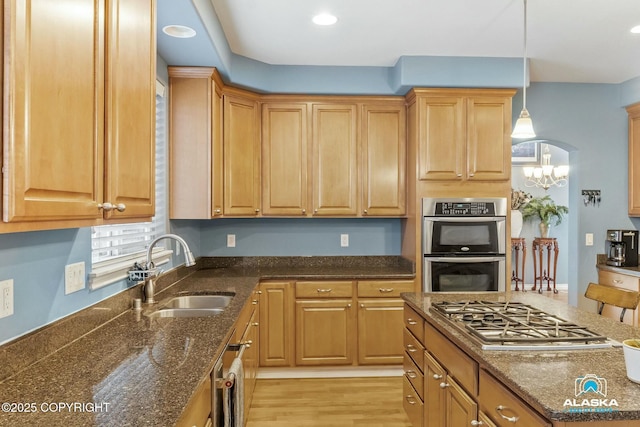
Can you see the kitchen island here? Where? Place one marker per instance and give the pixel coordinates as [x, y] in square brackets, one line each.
[544, 382]
[109, 365]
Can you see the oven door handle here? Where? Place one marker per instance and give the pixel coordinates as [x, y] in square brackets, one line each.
[467, 219]
[465, 260]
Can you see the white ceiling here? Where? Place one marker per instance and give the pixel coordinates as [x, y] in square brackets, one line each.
[585, 41]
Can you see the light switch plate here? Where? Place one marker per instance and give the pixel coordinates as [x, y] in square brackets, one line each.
[231, 240]
[344, 240]
[74, 279]
[588, 240]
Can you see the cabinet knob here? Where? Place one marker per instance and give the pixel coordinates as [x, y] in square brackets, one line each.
[459, 175]
[508, 419]
[411, 374]
[255, 324]
[304, 211]
[444, 385]
[348, 305]
[411, 348]
[106, 206]
[410, 400]
[217, 211]
[361, 305]
[254, 302]
[411, 321]
[259, 292]
[477, 423]
[471, 174]
[257, 210]
[315, 211]
[365, 212]
[437, 377]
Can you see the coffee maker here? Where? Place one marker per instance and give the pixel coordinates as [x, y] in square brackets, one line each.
[622, 248]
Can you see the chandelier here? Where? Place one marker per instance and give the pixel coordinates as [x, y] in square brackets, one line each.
[546, 175]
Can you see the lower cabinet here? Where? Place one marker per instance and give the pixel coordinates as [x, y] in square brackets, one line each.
[455, 390]
[248, 334]
[325, 323]
[624, 281]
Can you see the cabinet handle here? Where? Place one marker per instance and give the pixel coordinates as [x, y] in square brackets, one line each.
[411, 348]
[411, 374]
[618, 281]
[361, 305]
[444, 385]
[365, 212]
[411, 321]
[120, 207]
[471, 174]
[437, 377]
[385, 290]
[501, 408]
[315, 211]
[254, 302]
[304, 211]
[410, 399]
[477, 423]
[255, 324]
[257, 210]
[324, 291]
[259, 292]
[217, 211]
[459, 175]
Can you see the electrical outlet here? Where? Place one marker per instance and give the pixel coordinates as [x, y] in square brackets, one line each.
[231, 240]
[344, 240]
[74, 279]
[588, 240]
[6, 298]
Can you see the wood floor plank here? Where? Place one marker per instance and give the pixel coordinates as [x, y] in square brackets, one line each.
[328, 402]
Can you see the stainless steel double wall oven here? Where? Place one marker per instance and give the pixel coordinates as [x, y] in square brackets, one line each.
[464, 242]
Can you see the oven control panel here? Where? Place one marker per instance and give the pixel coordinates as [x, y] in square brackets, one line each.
[465, 209]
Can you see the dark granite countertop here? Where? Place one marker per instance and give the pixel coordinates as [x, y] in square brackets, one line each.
[546, 379]
[113, 366]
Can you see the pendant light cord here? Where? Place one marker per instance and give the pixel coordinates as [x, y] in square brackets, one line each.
[524, 61]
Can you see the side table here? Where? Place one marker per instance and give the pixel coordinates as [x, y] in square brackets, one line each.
[540, 246]
[518, 247]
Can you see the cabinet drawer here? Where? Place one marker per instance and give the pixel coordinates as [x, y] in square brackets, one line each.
[412, 403]
[414, 375]
[324, 289]
[460, 366]
[494, 395]
[384, 288]
[413, 348]
[618, 280]
[414, 323]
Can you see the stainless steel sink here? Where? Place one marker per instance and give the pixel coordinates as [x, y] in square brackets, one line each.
[193, 302]
[185, 312]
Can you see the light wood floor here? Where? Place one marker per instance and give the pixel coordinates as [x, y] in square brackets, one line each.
[328, 402]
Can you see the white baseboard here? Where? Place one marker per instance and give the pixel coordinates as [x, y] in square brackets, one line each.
[331, 372]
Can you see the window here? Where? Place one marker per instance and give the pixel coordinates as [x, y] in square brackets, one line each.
[115, 248]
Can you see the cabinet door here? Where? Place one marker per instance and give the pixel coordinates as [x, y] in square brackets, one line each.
[384, 148]
[434, 395]
[54, 115]
[460, 408]
[379, 324]
[250, 358]
[634, 159]
[488, 139]
[325, 331]
[241, 157]
[334, 159]
[276, 320]
[441, 135]
[130, 108]
[284, 159]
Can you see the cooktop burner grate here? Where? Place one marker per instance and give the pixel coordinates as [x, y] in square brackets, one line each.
[511, 325]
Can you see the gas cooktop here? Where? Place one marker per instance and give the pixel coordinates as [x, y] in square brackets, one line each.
[517, 326]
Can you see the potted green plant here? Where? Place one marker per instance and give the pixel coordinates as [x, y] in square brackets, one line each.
[545, 209]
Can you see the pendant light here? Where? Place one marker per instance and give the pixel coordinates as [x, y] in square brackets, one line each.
[524, 125]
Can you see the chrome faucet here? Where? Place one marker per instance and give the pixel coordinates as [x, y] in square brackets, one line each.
[148, 288]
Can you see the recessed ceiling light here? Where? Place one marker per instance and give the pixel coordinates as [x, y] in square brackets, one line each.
[636, 29]
[179, 31]
[324, 19]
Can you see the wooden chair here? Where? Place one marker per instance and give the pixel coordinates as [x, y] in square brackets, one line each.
[622, 298]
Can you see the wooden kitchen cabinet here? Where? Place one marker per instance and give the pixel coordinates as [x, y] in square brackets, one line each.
[241, 146]
[195, 143]
[624, 281]
[380, 317]
[384, 158]
[79, 120]
[463, 135]
[285, 159]
[277, 324]
[633, 113]
[247, 333]
[334, 159]
[325, 328]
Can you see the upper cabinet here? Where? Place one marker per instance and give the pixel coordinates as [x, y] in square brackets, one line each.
[334, 159]
[384, 158]
[634, 159]
[80, 120]
[195, 143]
[241, 146]
[463, 134]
